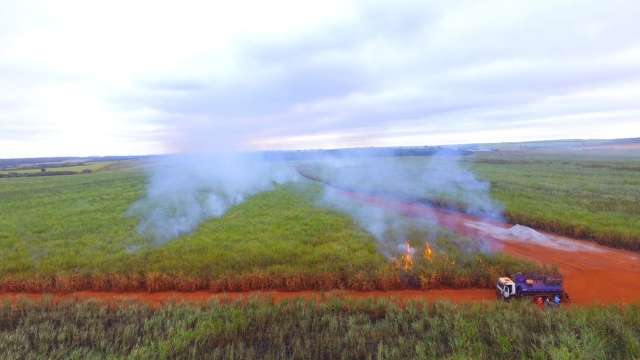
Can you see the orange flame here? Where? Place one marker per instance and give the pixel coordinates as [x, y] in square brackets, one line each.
[407, 256]
[428, 253]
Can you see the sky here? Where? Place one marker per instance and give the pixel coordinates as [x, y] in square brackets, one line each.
[81, 78]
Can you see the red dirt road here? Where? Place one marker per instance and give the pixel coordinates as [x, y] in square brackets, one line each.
[592, 273]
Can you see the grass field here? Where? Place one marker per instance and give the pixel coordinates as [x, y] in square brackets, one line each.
[591, 196]
[71, 233]
[330, 329]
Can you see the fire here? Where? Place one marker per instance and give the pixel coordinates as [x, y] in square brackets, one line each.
[428, 253]
[407, 256]
[407, 252]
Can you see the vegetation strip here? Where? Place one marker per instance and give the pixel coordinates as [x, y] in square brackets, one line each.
[586, 197]
[329, 329]
[70, 233]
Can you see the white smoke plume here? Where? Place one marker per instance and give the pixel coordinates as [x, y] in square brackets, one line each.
[185, 190]
[439, 180]
[390, 229]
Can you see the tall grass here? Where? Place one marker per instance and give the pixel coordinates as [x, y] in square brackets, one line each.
[444, 271]
[329, 329]
[70, 233]
[595, 198]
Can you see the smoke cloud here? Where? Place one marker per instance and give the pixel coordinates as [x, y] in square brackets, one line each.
[390, 229]
[440, 180]
[185, 190]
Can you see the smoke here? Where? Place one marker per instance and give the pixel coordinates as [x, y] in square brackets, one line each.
[390, 229]
[185, 190]
[440, 179]
[445, 178]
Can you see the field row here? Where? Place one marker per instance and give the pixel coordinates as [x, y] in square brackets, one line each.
[442, 273]
[596, 199]
[330, 329]
[70, 233]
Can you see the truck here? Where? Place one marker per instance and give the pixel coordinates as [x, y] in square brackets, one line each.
[543, 289]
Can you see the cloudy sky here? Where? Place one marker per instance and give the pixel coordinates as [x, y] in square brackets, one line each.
[138, 77]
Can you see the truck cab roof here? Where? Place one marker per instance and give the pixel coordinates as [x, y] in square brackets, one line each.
[505, 281]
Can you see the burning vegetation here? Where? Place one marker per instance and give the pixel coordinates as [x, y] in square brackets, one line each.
[408, 271]
[407, 258]
[427, 253]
